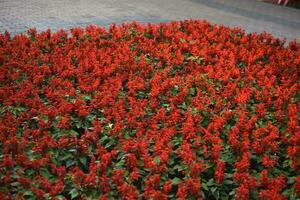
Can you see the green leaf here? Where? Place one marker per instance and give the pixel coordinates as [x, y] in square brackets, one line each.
[86, 97]
[142, 94]
[175, 181]
[29, 173]
[67, 156]
[110, 125]
[148, 35]
[196, 59]
[137, 58]
[156, 160]
[192, 91]
[132, 31]
[291, 180]
[290, 193]
[60, 197]
[14, 184]
[204, 186]
[121, 155]
[287, 163]
[211, 182]
[179, 167]
[228, 182]
[28, 193]
[69, 163]
[83, 161]
[206, 118]
[120, 164]
[183, 106]
[147, 58]
[241, 65]
[74, 193]
[174, 90]
[73, 132]
[91, 117]
[45, 173]
[232, 193]
[103, 138]
[109, 144]
[216, 193]
[213, 189]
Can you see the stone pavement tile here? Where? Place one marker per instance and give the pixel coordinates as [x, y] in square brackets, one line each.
[253, 16]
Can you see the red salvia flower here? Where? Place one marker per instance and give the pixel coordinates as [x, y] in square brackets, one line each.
[157, 111]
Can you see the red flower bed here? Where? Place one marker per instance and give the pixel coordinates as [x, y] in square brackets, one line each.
[184, 110]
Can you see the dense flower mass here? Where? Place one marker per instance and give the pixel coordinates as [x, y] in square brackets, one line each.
[182, 110]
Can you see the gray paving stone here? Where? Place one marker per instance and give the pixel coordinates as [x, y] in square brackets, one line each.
[17, 16]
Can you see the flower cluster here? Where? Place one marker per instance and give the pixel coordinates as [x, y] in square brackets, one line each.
[179, 110]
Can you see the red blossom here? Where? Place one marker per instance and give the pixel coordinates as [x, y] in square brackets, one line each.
[144, 111]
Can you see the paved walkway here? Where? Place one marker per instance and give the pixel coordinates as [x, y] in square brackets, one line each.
[252, 15]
